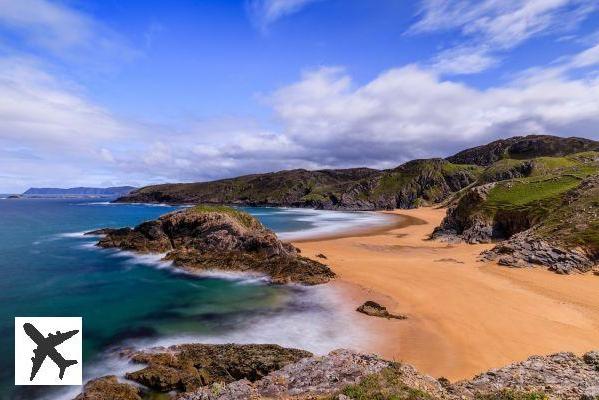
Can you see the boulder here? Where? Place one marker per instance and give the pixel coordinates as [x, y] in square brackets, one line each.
[376, 310]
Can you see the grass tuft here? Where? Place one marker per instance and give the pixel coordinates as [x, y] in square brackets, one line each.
[241, 216]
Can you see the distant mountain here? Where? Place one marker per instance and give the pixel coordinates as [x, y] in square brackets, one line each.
[80, 191]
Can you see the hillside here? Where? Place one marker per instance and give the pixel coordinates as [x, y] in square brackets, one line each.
[523, 147]
[547, 206]
[409, 185]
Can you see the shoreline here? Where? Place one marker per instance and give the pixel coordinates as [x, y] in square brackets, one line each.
[464, 316]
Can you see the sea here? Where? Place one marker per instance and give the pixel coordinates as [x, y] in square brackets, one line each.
[48, 267]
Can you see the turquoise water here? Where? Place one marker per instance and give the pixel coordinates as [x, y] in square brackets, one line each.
[48, 268]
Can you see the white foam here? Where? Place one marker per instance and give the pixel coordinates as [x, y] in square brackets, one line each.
[78, 235]
[319, 322]
[325, 222]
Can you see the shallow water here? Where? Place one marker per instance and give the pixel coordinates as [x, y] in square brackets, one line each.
[48, 268]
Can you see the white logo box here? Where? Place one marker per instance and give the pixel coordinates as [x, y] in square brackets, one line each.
[70, 350]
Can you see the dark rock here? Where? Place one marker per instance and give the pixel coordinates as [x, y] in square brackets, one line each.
[376, 310]
[187, 367]
[320, 255]
[109, 388]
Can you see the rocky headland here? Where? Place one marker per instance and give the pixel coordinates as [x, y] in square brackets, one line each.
[218, 238]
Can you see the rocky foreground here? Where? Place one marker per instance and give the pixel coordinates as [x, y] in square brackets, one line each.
[218, 238]
[233, 372]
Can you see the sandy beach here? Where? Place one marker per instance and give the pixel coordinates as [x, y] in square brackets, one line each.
[464, 316]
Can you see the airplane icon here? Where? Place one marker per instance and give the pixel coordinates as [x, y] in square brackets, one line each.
[46, 347]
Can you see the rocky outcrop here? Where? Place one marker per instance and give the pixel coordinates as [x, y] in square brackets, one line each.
[562, 376]
[109, 388]
[376, 310]
[185, 368]
[308, 378]
[218, 238]
[232, 372]
[461, 223]
[527, 250]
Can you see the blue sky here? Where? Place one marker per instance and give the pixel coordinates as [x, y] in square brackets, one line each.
[139, 92]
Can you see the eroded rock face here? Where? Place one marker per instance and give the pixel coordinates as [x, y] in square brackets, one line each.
[460, 224]
[109, 388]
[229, 241]
[188, 367]
[376, 310]
[560, 376]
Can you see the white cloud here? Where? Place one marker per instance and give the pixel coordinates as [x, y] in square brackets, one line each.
[265, 12]
[494, 26]
[63, 31]
[40, 109]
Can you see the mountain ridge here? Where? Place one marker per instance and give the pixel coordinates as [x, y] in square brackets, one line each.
[81, 190]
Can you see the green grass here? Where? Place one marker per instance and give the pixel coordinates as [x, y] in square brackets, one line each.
[385, 385]
[244, 218]
[513, 194]
[508, 394]
[314, 197]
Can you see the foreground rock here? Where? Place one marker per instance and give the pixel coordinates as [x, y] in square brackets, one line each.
[231, 372]
[218, 238]
[185, 368]
[558, 376]
[108, 388]
[376, 310]
[310, 377]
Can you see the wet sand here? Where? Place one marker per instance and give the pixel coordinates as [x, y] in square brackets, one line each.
[464, 316]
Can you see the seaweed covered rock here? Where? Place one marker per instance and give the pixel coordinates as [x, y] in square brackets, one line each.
[222, 238]
[187, 367]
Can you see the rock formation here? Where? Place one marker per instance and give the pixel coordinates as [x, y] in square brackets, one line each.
[185, 368]
[218, 238]
[376, 310]
[109, 388]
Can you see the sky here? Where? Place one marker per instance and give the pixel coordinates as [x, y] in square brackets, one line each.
[137, 92]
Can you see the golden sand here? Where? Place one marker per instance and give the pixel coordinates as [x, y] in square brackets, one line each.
[464, 316]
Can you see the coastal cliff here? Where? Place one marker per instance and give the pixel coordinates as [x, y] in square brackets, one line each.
[218, 238]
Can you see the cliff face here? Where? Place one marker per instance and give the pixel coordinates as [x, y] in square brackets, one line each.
[218, 238]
